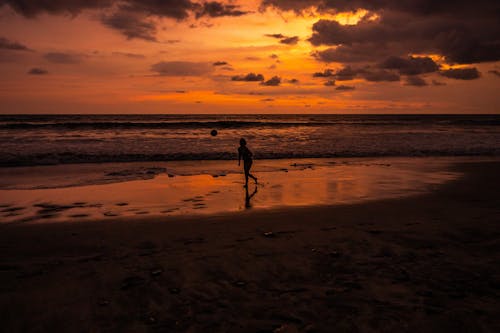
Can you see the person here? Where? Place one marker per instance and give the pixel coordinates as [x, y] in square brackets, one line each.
[245, 154]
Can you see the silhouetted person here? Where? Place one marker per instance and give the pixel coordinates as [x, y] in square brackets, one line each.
[248, 197]
[245, 154]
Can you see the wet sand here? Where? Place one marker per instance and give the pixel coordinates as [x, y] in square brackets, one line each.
[104, 191]
[423, 263]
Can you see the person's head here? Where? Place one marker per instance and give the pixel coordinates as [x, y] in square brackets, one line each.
[243, 142]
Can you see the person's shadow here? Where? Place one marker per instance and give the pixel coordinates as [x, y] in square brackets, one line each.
[249, 197]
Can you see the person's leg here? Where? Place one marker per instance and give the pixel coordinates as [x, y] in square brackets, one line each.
[249, 174]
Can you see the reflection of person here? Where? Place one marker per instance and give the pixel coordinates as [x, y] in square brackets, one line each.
[245, 154]
[248, 197]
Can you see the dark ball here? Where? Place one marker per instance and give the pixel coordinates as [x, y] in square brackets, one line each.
[213, 133]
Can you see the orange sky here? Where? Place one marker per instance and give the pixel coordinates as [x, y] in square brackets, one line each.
[80, 65]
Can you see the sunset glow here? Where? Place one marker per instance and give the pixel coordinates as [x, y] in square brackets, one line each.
[73, 58]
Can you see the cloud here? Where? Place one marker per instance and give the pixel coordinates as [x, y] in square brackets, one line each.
[415, 81]
[277, 36]
[325, 73]
[470, 73]
[290, 40]
[131, 24]
[290, 5]
[379, 76]
[130, 17]
[220, 63]
[63, 58]
[346, 74]
[30, 9]
[494, 72]
[6, 44]
[410, 65]
[365, 52]
[293, 81]
[218, 9]
[38, 71]
[272, 82]
[345, 88]
[461, 31]
[181, 68]
[284, 39]
[251, 77]
[130, 55]
[330, 83]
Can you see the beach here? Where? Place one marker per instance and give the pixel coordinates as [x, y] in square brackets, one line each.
[426, 261]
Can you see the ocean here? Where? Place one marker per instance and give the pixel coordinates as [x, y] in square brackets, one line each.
[28, 140]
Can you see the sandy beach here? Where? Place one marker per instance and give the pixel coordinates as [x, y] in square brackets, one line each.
[426, 262]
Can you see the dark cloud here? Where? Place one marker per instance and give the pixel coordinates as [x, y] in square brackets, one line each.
[365, 52]
[251, 77]
[218, 9]
[290, 5]
[130, 17]
[63, 58]
[494, 72]
[131, 24]
[346, 74]
[267, 100]
[252, 58]
[130, 55]
[462, 31]
[379, 76]
[325, 73]
[38, 71]
[6, 44]
[416, 81]
[181, 68]
[220, 63]
[31, 8]
[274, 56]
[330, 83]
[284, 39]
[293, 81]
[277, 36]
[457, 8]
[290, 40]
[410, 65]
[272, 82]
[345, 88]
[461, 73]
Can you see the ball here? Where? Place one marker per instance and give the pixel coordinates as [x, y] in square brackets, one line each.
[213, 133]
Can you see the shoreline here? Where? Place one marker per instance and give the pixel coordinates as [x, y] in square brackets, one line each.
[82, 192]
[417, 264]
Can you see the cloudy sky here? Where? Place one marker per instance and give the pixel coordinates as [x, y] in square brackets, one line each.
[252, 56]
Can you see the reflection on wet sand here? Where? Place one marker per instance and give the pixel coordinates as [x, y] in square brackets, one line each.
[248, 197]
[282, 183]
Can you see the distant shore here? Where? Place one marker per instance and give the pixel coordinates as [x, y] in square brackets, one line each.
[422, 263]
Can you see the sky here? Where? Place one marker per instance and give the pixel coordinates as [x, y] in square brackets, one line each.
[253, 56]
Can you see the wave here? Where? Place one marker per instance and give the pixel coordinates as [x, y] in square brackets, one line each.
[74, 158]
[226, 122]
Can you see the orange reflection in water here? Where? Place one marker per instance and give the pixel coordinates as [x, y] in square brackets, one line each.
[281, 183]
